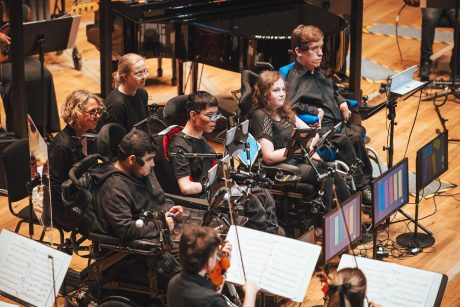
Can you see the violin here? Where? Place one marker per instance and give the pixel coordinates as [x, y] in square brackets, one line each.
[217, 274]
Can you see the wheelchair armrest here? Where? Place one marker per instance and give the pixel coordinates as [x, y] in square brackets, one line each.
[309, 119]
[282, 173]
[190, 202]
[141, 246]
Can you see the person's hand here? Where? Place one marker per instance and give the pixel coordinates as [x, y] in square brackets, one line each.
[316, 157]
[345, 111]
[5, 39]
[320, 116]
[177, 211]
[227, 249]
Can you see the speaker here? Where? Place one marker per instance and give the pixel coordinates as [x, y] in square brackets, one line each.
[3, 144]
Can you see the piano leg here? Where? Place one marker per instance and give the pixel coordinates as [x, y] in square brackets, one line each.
[174, 71]
[159, 69]
[180, 80]
[195, 69]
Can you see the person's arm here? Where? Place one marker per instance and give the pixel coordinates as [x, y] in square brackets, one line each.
[117, 211]
[250, 293]
[189, 187]
[269, 154]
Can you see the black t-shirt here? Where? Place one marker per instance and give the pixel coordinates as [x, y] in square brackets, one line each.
[263, 126]
[124, 109]
[196, 168]
[193, 290]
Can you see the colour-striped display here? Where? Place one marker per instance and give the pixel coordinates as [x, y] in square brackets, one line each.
[432, 160]
[390, 191]
[336, 238]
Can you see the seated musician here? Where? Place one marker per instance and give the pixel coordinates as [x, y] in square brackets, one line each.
[191, 173]
[81, 112]
[309, 91]
[127, 102]
[127, 190]
[198, 251]
[347, 288]
[272, 122]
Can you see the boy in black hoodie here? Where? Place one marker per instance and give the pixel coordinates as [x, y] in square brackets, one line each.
[128, 189]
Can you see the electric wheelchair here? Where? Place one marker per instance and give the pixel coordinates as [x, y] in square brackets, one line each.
[120, 273]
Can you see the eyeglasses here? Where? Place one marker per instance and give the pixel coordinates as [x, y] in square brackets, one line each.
[212, 117]
[95, 112]
[142, 74]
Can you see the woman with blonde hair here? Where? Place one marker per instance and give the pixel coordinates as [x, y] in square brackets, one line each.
[81, 113]
[127, 102]
[347, 288]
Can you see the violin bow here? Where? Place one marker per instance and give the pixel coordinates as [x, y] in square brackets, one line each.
[232, 216]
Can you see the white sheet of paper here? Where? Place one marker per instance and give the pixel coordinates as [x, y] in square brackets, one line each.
[278, 265]
[409, 287]
[27, 269]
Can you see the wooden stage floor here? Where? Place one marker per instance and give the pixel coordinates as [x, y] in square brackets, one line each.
[442, 213]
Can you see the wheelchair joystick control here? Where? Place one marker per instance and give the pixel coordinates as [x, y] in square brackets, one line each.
[279, 175]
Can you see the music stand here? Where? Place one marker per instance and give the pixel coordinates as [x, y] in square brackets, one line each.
[45, 36]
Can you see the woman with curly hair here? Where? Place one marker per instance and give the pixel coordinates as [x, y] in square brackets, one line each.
[81, 112]
[272, 122]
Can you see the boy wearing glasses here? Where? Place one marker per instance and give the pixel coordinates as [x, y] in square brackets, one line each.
[308, 90]
[191, 173]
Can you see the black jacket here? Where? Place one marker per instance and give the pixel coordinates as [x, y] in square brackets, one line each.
[119, 201]
[64, 151]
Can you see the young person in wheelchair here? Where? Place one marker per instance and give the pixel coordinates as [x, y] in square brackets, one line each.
[272, 122]
[310, 91]
[199, 248]
[191, 173]
[127, 190]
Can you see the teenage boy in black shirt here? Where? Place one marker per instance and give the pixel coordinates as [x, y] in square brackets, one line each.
[191, 173]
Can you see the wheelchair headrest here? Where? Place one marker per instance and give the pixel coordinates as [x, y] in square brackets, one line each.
[165, 136]
[175, 107]
[248, 79]
[82, 166]
[109, 138]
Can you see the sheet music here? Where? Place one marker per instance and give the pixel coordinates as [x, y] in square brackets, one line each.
[278, 265]
[26, 271]
[408, 286]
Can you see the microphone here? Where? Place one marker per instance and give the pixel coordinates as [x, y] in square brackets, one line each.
[143, 219]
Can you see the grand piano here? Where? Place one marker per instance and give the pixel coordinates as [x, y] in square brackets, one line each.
[229, 34]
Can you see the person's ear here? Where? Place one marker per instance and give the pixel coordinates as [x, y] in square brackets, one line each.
[297, 51]
[132, 160]
[192, 114]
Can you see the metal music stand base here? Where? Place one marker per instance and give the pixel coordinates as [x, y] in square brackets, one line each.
[408, 240]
